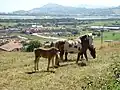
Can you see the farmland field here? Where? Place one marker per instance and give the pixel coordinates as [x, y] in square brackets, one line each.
[106, 36]
[15, 68]
[111, 35]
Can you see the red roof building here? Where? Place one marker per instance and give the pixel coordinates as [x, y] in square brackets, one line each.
[11, 46]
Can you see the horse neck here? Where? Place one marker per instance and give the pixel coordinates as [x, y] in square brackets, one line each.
[90, 40]
[90, 48]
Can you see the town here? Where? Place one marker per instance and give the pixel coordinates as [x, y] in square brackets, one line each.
[13, 37]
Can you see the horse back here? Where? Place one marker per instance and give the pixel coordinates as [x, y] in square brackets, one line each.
[72, 46]
[46, 53]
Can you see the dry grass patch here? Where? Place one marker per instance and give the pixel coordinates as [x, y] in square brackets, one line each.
[14, 68]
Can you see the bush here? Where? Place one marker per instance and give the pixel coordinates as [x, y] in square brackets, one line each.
[32, 45]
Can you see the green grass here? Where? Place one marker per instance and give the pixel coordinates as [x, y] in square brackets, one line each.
[97, 75]
[106, 35]
[109, 36]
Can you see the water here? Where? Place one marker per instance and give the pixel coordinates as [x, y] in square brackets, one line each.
[56, 17]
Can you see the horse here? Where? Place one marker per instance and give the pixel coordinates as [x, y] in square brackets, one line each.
[85, 39]
[79, 46]
[48, 53]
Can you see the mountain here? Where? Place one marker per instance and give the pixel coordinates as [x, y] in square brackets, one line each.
[55, 9]
[50, 8]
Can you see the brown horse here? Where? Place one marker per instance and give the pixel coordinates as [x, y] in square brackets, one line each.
[49, 53]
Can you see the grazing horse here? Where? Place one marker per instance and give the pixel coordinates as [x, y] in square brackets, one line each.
[87, 38]
[45, 53]
[79, 46]
[87, 43]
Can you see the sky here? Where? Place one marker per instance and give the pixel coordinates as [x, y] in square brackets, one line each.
[14, 5]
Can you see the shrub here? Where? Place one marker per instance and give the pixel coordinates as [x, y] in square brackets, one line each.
[32, 45]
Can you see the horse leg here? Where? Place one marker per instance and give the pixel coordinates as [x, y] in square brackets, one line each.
[48, 64]
[78, 57]
[61, 55]
[53, 62]
[66, 53]
[82, 56]
[57, 61]
[36, 63]
[85, 54]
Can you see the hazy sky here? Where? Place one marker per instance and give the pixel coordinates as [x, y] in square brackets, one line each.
[13, 5]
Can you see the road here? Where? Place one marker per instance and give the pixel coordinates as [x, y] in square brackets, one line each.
[46, 37]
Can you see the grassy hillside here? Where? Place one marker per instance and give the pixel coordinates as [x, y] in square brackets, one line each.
[110, 36]
[97, 75]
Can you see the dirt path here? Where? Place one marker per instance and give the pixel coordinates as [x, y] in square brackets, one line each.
[46, 37]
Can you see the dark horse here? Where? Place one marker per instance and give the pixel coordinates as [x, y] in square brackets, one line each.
[80, 48]
[87, 43]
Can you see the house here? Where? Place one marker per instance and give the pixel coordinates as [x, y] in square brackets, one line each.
[11, 46]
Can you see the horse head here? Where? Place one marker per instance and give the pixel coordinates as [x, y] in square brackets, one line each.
[92, 51]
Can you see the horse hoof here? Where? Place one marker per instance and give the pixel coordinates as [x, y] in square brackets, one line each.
[47, 69]
[83, 64]
[55, 66]
[65, 60]
[52, 71]
[76, 62]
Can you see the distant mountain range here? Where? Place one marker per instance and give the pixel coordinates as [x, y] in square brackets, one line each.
[55, 9]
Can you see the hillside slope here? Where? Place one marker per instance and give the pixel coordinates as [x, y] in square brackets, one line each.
[15, 68]
[55, 9]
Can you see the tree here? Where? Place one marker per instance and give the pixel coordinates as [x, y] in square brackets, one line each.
[32, 45]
